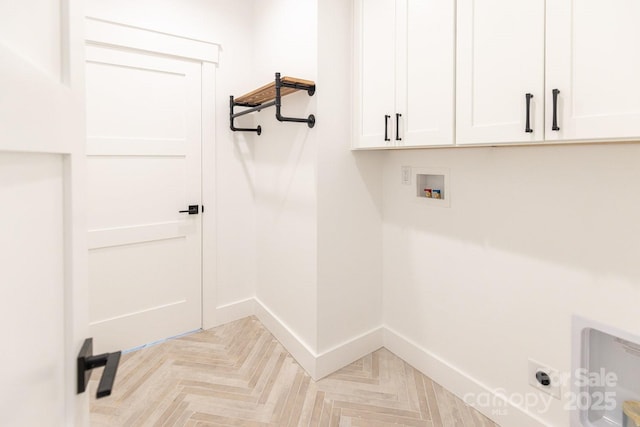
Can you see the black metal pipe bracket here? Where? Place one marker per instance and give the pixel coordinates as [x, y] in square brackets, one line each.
[277, 101]
[87, 361]
[232, 117]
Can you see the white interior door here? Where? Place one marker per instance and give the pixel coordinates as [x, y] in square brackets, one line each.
[42, 251]
[500, 59]
[144, 166]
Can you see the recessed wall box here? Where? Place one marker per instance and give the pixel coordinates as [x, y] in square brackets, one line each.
[432, 186]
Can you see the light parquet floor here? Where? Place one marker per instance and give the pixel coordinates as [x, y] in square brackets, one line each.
[239, 375]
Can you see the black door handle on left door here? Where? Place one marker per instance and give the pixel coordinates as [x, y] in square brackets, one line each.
[87, 361]
[193, 210]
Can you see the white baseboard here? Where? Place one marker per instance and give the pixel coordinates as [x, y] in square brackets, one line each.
[320, 365]
[300, 351]
[459, 383]
[348, 352]
[233, 311]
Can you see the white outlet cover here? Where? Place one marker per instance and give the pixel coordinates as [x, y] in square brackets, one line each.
[555, 388]
[405, 175]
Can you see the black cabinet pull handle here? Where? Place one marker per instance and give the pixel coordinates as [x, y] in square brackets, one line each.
[87, 361]
[555, 110]
[386, 127]
[528, 124]
[398, 115]
[193, 210]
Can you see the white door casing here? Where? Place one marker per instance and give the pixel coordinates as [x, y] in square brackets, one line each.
[43, 299]
[146, 104]
[500, 58]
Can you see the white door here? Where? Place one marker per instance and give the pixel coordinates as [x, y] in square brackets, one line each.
[144, 166]
[425, 79]
[42, 249]
[500, 59]
[593, 59]
[374, 112]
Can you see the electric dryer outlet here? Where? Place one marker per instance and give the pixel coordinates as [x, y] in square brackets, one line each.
[540, 374]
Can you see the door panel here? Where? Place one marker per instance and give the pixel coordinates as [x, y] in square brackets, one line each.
[134, 199]
[144, 165]
[129, 269]
[32, 291]
[135, 108]
[595, 71]
[500, 58]
[34, 36]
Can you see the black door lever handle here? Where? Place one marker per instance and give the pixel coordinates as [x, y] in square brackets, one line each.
[193, 210]
[87, 361]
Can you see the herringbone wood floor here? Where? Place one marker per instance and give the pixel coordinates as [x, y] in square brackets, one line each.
[239, 375]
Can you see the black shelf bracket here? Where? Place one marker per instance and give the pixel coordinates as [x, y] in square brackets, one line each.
[277, 101]
[87, 361]
[233, 115]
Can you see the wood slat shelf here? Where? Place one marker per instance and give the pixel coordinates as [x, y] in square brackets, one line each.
[267, 92]
[268, 96]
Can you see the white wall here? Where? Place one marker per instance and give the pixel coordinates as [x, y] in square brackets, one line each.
[318, 204]
[349, 195]
[285, 41]
[533, 236]
[229, 24]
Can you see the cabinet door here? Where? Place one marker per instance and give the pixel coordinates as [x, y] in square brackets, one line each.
[426, 74]
[374, 81]
[500, 58]
[593, 59]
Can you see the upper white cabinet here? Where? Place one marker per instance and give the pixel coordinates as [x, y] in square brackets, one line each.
[404, 73]
[500, 71]
[524, 71]
[593, 60]
[375, 72]
[578, 60]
